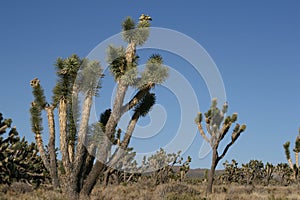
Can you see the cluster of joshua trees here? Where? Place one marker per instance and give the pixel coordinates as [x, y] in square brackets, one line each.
[100, 151]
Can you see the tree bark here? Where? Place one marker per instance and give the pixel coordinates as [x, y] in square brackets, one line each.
[83, 131]
[297, 159]
[62, 110]
[39, 143]
[91, 179]
[212, 171]
[51, 146]
[81, 149]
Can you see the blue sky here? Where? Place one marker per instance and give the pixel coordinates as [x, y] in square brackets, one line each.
[255, 45]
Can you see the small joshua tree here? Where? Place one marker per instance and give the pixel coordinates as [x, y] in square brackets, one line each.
[217, 126]
[253, 171]
[231, 172]
[284, 172]
[269, 170]
[286, 146]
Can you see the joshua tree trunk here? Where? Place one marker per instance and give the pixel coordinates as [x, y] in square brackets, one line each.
[39, 143]
[51, 146]
[63, 134]
[91, 179]
[297, 159]
[211, 174]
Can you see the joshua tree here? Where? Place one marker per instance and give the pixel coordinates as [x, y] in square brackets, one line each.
[62, 99]
[286, 146]
[284, 172]
[253, 171]
[217, 131]
[80, 78]
[19, 161]
[268, 170]
[160, 166]
[123, 66]
[231, 172]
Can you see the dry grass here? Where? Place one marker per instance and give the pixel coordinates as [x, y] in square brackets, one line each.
[170, 191]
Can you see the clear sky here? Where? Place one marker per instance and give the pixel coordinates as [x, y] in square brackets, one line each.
[255, 45]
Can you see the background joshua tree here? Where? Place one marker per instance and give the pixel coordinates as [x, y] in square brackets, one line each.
[268, 172]
[160, 167]
[252, 171]
[286, 146]
[217, 127]
[19, 161]
[80, 143]
[232, 174]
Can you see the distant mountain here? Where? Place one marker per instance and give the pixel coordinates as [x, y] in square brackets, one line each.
[197, 173]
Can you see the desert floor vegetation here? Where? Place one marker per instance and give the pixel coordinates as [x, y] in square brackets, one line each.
[148, 191]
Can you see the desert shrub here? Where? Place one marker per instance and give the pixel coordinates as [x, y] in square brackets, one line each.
[19, 160]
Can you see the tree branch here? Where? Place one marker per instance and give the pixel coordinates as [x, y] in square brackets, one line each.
[135, 100]
[202, 133]
[225, 151]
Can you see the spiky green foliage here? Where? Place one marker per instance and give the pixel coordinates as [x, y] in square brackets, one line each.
[286, 147]
[88, 78]
[38, 93]
[155, 72]
[19, 160]
[117, 61]
[66, 71]
[104, 118]
[36, 118]
[144, 106]
[37, 106]
[137, 33]
[119, 67]
[297, 145]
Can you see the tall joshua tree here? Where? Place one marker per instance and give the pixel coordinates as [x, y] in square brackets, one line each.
[67, 70]
[286, 146]
[217, 126]
[80, 78]
[123, 67]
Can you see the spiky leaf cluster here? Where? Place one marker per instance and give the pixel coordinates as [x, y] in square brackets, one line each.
[286, 147]
[66, 70]
[36, 118]
[144, 106]
[214, 116]
[155, 72]
[297, 145]
[37, 106]
[19, 160]
[119, 67]
[137, 33]
[88, 77]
